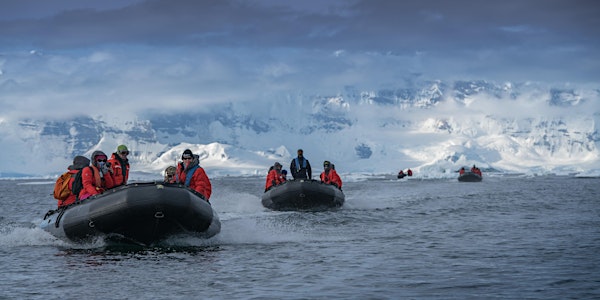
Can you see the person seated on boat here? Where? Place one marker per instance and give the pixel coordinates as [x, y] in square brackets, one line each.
[330, 176]
[401, 174]
[284, 174]
[461, 171]
[96, 178]
[476, 170]
[191, 174]
[170, 174]
[300, 167]
[120, 165]
[409, 172]
[274, 177]
[79, 162]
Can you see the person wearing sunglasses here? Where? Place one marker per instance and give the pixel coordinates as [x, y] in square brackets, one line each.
[119, 163]
[330, 176]
[191, 174]
[300, 167]
[96, 178]
[274, 177]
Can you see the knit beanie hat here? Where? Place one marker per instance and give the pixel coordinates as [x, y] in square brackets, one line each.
[187, 154]
[122, 148]
[79, 162]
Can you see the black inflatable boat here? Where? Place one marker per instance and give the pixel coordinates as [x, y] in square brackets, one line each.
[303, 194]
[468, 176]
[142, 213]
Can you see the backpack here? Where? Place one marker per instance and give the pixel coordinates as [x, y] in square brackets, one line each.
[61, 187]
[78, 183]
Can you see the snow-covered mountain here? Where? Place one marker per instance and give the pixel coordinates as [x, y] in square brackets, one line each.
[432, 127]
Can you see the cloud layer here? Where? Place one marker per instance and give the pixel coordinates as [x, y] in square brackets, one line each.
[70, 56]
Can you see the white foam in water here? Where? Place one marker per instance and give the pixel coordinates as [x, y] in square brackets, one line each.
[24, 236]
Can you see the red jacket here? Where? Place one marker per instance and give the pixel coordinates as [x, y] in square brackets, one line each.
[199, 182]
[331, 177]
[117, 168]
[274, 178]
[93, 184]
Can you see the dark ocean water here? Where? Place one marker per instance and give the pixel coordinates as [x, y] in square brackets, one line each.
[506, 238]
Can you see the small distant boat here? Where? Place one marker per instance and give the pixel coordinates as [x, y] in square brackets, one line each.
[303, 194]
[469, 176]
[401, 174]
[140, 213]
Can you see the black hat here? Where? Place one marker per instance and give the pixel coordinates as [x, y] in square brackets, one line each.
[79, 162]
[326, 163]
[187, 154]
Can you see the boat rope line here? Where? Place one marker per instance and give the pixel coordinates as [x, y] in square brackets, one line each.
[59, 217]
[49, 213]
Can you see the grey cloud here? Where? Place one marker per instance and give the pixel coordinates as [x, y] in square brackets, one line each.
[369, 25]
[510, 39]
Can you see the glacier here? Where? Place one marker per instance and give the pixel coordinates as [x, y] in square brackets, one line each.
[433, 127]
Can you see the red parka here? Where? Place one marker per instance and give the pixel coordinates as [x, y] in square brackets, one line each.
[331, 177]
[120, 168]
[274, 178]
[199, 182]
[93, 184]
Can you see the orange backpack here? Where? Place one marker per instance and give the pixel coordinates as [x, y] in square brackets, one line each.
[61, 187]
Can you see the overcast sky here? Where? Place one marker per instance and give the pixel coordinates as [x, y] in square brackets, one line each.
[132, 52]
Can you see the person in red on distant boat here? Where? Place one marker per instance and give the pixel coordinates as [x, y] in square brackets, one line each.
[330, 176]
[409, 172]
[192, 175]
[461, 171]
[274, 177]
[96, 178]
[401, 174]
[476, 170]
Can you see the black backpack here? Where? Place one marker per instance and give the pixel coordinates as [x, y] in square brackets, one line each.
[78, 183]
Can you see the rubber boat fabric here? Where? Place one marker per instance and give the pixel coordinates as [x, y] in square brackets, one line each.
[303, 194]
[142, 213]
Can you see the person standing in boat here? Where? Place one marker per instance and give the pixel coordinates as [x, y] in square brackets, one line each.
[461, 171]
[191, 174]
[120, 165]
[330, 176]
[274, 177]
[96, 178]
[300, 167]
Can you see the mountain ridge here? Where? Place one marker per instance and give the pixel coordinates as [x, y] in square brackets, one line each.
[432, 126]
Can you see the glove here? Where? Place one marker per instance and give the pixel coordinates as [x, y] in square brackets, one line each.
[105, 168]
